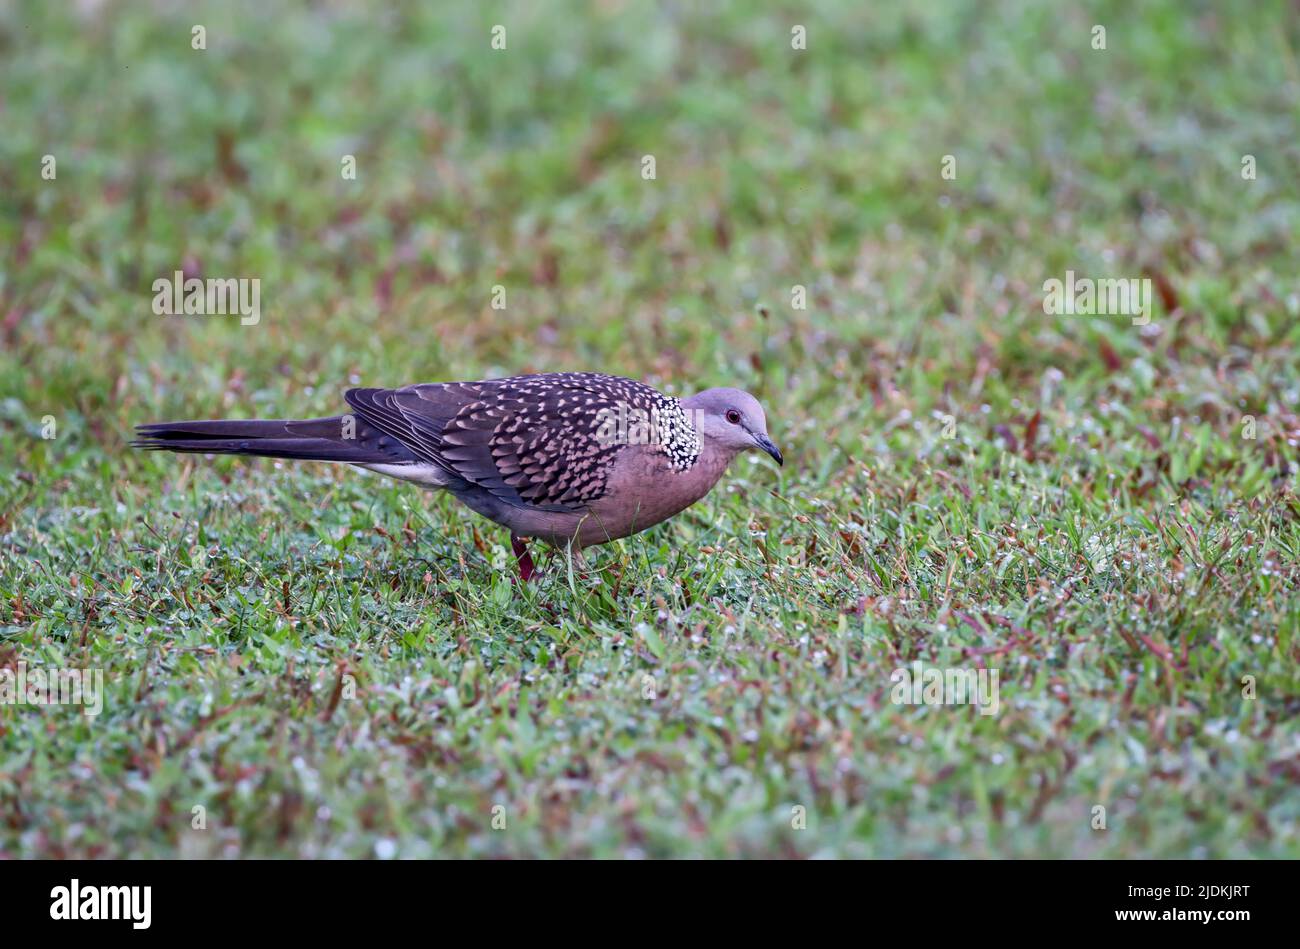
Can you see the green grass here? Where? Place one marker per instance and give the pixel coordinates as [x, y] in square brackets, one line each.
[333, 664]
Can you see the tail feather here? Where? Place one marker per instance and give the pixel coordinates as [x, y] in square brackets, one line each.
[341, 438]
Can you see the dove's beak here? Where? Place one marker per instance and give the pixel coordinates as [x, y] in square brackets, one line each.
[765, 443]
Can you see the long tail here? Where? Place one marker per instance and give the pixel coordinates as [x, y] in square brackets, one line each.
[341, 438]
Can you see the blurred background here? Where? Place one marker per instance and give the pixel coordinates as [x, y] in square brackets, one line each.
[522, 167]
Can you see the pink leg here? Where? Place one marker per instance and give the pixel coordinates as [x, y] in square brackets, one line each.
[525, 559]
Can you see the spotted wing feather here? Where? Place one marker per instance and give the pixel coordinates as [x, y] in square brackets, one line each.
[539, 440]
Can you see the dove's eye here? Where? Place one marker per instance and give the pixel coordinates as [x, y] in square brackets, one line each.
[733, 416]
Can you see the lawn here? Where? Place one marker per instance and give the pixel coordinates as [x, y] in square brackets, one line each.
[312, 661]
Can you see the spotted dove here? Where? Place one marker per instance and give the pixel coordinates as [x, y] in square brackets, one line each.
[572, 458]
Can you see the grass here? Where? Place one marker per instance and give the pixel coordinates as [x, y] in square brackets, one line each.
[332, 664]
